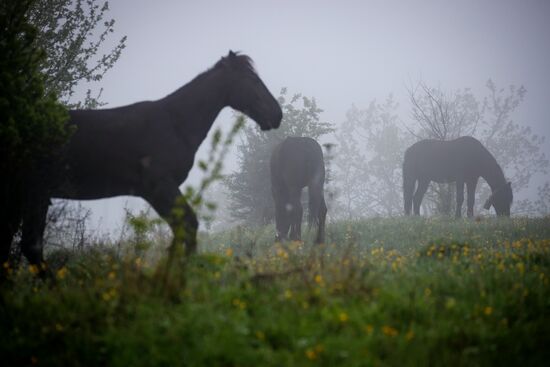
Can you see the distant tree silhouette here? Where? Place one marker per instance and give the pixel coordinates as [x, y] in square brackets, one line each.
[368, 159]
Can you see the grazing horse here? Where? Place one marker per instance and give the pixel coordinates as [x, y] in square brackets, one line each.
[147, 149]
[295, 163]
[463, 161]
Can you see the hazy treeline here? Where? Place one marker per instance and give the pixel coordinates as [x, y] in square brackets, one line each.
[364, 153]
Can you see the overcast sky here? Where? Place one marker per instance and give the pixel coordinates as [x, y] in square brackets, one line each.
[340, 52]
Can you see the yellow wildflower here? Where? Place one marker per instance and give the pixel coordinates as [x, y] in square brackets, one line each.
[311, 354]
[343, 317]
[282, 253]
[239, 304]
[521, 267]
[389, 331]
[61, 273]
[488, 310]
[318, 279]
[33, 269]
[288, 294]
[229, 252]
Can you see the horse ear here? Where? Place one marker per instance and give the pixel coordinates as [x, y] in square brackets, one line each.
[231, 54]
[488, 203]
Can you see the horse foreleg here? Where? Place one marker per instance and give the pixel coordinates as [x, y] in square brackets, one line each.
[471, 189]
[408, 191]
[459, 198]
[282, 222]
[10, 221]
[419, 194]
[186, 231]
[168, 202]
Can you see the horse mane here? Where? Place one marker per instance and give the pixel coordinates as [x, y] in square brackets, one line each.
[233, 60]
[237, 61]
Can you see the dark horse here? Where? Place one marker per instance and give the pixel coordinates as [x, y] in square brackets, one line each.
[147, 149]
[296, 163]
[463, 161]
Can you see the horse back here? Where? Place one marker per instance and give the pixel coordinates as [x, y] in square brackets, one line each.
[446, 161]
[297, 162]
[118, 151]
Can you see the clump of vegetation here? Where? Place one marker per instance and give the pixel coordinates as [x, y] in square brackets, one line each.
[378, 293]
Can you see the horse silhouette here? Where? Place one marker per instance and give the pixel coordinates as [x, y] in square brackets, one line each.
[147, 149]
[462, 160]
[295, 163]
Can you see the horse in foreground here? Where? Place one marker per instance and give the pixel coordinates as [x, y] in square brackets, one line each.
[295, 163]
[147, 149]
[463, 161]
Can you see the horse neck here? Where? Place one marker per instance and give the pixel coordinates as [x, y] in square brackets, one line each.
[195, 106]
[493, 175]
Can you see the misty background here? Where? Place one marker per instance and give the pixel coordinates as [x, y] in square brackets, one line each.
[343, 54]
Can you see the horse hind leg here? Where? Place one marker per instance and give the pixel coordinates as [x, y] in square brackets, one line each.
[317, 211]
[322, 214]
[32, 236]
[471, 190]
[296, 215]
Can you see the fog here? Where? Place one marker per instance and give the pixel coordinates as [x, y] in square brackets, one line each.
[340, 53]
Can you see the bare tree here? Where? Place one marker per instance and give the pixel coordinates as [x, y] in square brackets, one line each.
[368, 161]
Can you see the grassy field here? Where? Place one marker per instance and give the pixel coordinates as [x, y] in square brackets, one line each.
[382, 292]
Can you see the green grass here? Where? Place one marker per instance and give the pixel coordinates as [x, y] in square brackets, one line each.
[403, 291]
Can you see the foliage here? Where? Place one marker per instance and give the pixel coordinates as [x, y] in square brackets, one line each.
[73, 34]
[32, 128]
[427, 292]
[249, 186]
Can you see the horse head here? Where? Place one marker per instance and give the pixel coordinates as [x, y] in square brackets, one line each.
[248, 93]
[501, 199]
